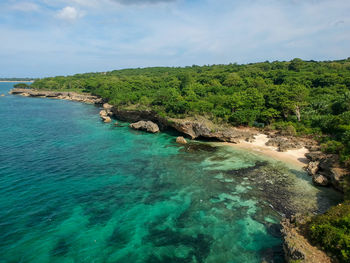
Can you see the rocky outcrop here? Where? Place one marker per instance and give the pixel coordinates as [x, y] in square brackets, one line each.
[145, 126]
[196, 127]
[107, 106]
[202, 128]
[297, 248]
[326, 170]
[320, 180]
[284, 144]
[312, 167]
[181, 140]
[74, 96]
[104, 116]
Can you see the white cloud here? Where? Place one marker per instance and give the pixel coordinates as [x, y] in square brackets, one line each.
[69, 13]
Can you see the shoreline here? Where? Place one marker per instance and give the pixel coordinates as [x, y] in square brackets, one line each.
[294, 157]
[14, 81]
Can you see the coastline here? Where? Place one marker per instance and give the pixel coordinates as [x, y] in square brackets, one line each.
[14, 81]
[249, 140]
[295, 157]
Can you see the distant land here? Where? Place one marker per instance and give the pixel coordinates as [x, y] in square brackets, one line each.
[16, 79]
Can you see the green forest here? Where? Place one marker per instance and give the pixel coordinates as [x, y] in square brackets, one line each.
[302, 97]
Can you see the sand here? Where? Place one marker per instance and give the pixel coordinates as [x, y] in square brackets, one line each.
[293, 157]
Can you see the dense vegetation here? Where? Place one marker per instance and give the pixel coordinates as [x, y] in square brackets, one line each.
[332, 231]
[21, 86]
[302, 97]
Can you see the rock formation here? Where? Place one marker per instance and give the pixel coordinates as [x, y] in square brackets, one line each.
[325, 169]
[86, 98]
[148, 126]
[284, 144]
[319, 179]
[297, 248]
[181, 140]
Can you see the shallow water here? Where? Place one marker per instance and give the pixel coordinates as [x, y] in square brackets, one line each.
[73, 189]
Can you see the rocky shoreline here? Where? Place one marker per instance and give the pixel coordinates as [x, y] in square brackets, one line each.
[297, 248]
[325, 169]
[73, 96]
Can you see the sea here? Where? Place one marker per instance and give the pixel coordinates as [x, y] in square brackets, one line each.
[74, 189]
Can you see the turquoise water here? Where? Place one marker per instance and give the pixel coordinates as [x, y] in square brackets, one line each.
[73, 189]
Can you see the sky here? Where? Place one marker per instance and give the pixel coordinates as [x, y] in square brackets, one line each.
[62, 37]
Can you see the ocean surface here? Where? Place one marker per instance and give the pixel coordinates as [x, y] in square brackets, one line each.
[73, 189]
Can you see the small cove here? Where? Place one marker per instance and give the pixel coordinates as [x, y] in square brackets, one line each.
[73, 189]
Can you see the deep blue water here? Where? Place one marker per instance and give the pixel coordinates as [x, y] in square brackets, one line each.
[73, 189]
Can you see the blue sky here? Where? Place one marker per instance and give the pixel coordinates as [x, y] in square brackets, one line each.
[60, 37]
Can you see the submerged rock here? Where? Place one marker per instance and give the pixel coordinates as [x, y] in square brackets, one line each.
[181, 140]
[2, 95]
[148, 126]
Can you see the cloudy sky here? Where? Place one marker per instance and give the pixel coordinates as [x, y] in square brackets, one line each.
[60, 37]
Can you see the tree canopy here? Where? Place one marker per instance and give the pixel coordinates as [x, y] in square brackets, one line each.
[313, 97]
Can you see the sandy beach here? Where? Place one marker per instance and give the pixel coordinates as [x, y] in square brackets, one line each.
[294, 157]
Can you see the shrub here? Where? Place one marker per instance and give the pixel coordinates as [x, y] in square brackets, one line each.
[332, 231]
[332, 147]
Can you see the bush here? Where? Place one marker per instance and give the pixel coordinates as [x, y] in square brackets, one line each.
[332, 147]
[332, 231]
[21, 86]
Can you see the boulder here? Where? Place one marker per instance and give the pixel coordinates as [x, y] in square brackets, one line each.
[103, 113]
[181, 140]
[337, 177]
[312, 167]
[107, 106]
[315, 156]
[320, 180]
[145, 126]
[107, 119]
[284, 144]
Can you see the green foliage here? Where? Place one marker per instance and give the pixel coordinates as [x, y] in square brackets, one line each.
[21, 86]
[332, 147]
[332, 231]
[298, 97]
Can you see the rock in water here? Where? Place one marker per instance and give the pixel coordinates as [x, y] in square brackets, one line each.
[319, 179]
[107, 119]
[312, 167]
[103, 113]
[104, 116]
[181, 140]
[145, 126]
[2, 95]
